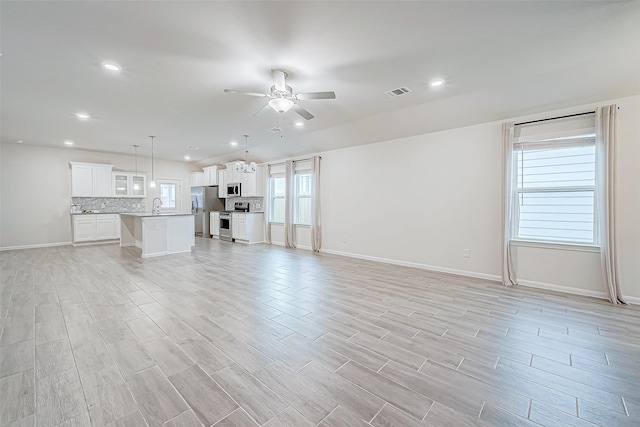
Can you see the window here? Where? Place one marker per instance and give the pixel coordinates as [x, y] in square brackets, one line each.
[554, 189]
[277, 194]
[302, 208]
[168, 190]
[168, 195]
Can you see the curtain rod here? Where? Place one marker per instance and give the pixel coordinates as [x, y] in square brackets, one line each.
[555, 118]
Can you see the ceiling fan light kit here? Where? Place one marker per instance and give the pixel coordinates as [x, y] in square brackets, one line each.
[282, 97]
[281, 105]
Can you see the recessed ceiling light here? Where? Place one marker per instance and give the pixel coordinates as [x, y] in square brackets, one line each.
[68, 142]
[234, 143]
[111, 66]
[436, 83]
[187, 157]
[83, 116]
[18, 141]
[299, 124]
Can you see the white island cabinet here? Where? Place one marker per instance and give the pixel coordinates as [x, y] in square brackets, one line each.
[158, 235]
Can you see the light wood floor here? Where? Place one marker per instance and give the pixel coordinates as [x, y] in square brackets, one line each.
[232, 335]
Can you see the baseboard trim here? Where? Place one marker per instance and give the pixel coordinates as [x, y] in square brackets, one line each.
[492, 277]
[632, 300]
[39, 245]
[563, 289]
[465, 273]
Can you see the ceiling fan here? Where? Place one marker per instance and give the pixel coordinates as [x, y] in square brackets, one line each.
[282, 97]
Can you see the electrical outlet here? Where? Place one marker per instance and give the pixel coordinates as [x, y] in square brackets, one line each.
[466, 253]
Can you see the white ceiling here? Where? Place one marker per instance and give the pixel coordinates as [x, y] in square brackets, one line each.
[499, 59]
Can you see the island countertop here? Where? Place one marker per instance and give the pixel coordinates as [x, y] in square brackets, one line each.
[149, 214]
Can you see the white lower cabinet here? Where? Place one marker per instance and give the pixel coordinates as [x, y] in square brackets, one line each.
[247, 227]
[94, 228]
[214, 224]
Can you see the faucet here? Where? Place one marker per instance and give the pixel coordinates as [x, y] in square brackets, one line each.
[155, 210]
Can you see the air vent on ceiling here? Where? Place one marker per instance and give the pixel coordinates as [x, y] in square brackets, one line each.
[397, 92]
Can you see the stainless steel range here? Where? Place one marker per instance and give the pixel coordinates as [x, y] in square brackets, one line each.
[225, 226]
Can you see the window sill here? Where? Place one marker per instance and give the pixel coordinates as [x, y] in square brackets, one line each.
[302, 225]
[557, 246]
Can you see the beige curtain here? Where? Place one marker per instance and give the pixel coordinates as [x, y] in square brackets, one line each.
[605, 202]
[316, 223]
[289, 179]
[508, 270]
[267, 205]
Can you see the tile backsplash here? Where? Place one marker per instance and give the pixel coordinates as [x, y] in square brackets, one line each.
[256, 204]
[108, 204]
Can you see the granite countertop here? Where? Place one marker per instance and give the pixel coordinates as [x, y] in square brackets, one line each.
[97, 213]
[149, 214]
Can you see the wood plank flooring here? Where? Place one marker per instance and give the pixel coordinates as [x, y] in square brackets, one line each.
[235, 335]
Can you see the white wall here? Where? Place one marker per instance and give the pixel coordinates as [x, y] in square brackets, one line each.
[35, 190]
[423, 200]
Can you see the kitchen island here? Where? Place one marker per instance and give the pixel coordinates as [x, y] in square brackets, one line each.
[157, 234]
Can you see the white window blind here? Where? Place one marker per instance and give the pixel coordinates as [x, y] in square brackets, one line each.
[555, 185]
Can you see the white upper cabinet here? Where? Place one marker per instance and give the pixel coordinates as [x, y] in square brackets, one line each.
[210, 175]
[90, 180]
[222, 183]
[127, 184]
[197, 179]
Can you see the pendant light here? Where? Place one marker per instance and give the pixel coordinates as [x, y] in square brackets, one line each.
[136, 186]
[246, 167]
[152, 184]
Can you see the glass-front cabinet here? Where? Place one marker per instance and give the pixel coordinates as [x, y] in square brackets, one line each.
[127, 184]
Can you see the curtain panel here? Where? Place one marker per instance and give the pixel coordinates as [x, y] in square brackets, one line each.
[316, 220]
[289, 237]
[267, 205]
[605, 197]
[508, 269]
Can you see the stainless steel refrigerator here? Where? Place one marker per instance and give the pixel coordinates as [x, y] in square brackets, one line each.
[204, 200]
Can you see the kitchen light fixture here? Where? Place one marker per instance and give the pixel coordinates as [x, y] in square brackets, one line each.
[67, 142]
[436, 83]
[136, 186]
[281, 105]
[83, 116]
[152, 184]
[299, 124]
[187, 157]
[246, 167]
[233, 143]
[111, 66]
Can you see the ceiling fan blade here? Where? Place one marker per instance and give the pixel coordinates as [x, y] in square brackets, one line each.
[244, 92]
[304, 113]
[279, 80]
[316, 95]
[261, 111]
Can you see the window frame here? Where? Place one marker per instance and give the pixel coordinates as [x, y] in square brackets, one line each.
[273, 197]
[594, 245]
[297, 197]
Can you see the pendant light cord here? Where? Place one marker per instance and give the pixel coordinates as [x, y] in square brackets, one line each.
[136, 155]
[153, 177]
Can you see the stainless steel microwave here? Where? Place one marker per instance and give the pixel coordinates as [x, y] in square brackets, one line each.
[233, 189]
